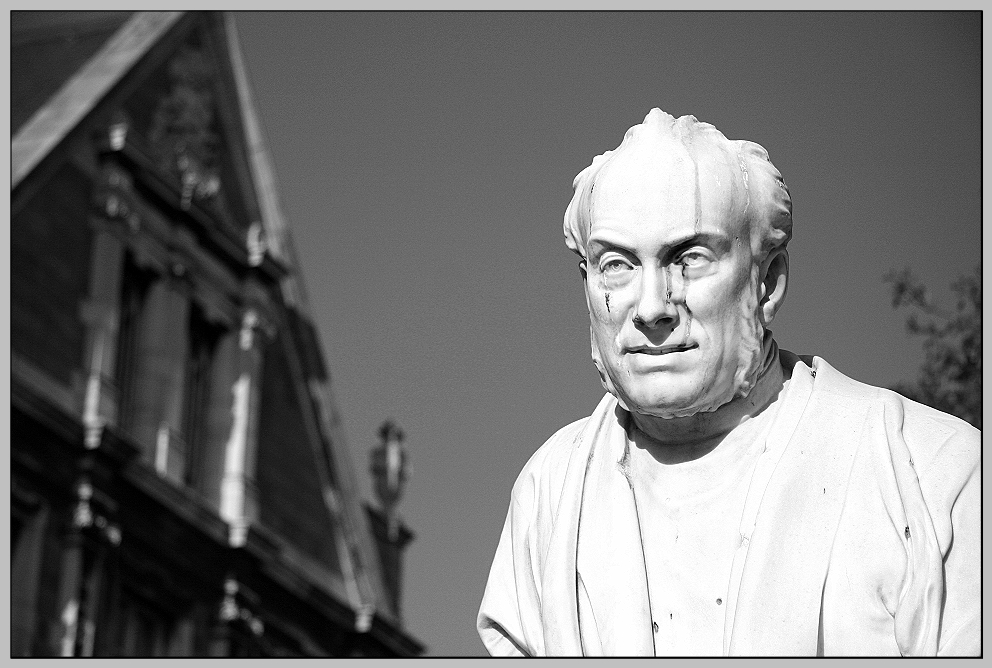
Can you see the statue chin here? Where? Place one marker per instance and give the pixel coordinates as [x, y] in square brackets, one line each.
[710, 402]
[668, 413]
[754, 349]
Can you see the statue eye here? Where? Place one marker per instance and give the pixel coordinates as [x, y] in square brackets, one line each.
[691, 258]
[614, 266]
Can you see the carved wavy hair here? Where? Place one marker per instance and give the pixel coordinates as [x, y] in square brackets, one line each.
[769, 205]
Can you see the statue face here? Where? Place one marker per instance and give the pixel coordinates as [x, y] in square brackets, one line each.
[671, 283]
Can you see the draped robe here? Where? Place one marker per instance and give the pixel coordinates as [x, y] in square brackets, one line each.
[569, 578]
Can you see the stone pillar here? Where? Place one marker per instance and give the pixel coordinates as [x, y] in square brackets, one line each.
[81, 575]
[71, 576]
[70, 579]
[162, 349]
[92, 589]
[113, 217]
[237, 502]
[100, 316]
[220, 418]
[391, 537]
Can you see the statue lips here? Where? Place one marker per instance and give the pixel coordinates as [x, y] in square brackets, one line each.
[661, 350]
[652, 357]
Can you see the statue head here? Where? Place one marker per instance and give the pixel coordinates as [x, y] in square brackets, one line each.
[682, 235]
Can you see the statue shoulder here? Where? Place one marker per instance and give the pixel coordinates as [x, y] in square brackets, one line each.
[945, 449]
[938, 441]
[932, 436]
[545, 470]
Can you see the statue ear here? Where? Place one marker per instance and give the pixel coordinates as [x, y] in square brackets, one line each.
[774, 284]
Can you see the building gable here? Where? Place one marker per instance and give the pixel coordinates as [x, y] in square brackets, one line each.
[156, 303]
[47, 48]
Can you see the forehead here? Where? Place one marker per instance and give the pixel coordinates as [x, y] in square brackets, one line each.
[669, 187]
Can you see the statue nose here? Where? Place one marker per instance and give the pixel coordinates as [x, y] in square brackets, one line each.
[654, 305]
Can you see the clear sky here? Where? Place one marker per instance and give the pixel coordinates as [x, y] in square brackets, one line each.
[424, 163]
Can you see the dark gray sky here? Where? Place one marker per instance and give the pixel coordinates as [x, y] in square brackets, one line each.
[424, 163]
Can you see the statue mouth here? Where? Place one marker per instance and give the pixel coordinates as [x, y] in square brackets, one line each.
[661, 350]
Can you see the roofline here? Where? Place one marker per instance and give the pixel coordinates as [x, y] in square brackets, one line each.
[371, 592]
[263, 173]
[51, 123]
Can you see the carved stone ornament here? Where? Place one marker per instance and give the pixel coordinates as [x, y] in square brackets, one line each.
[231, 610]
[84, 517]
[113, 197]
[256, 244]
[183, 130]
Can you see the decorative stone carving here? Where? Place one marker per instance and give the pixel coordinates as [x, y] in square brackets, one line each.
[84, 516]
[113, 197]
[256, 244]
[237, 499]
[183, 130]
[390, 469]
[117, 134]
[231, 610]
[249, 323]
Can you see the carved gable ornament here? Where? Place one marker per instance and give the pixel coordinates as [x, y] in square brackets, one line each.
[183, 130]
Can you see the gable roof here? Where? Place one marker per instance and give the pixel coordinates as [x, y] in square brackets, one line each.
[80, 92]
[370, 593]
[103, 53]
[46, 48]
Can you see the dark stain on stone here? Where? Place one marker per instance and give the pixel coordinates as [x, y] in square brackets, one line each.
[685, 303]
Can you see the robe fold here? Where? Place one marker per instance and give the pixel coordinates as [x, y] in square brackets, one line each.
[860, 534]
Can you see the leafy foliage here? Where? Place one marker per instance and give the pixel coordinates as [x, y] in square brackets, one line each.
[951, 376]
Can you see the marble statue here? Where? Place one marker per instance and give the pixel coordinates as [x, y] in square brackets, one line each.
[726, 497]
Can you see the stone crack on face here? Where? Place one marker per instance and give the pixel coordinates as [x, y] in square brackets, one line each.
[685, 304]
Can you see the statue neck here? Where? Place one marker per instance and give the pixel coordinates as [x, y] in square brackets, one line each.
[677, 440]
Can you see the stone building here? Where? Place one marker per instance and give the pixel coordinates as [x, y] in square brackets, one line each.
[179, 478]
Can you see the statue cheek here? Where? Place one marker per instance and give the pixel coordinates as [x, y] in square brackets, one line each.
[605, 310]
[603, 335]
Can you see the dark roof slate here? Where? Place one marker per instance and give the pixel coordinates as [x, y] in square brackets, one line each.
[46, 48]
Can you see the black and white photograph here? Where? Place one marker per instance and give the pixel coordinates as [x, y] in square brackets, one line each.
[501, 332]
